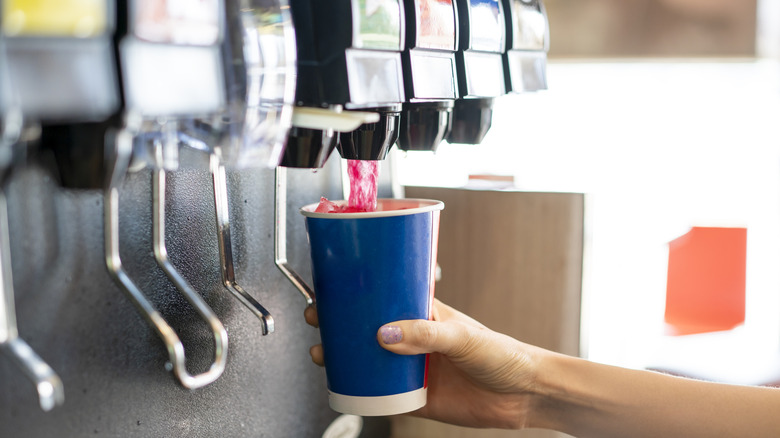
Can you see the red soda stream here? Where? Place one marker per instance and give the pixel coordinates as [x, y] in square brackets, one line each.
[363, 175]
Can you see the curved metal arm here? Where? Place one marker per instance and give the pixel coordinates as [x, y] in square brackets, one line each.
[123, 148]
[48, 384]
[280, 237]
[226, 249]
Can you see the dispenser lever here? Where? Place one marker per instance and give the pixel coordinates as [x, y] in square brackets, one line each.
[280, 237]
[123, 148]
[221, 204]
[48, 384]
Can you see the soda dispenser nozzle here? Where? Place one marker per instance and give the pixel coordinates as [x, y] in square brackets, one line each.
[425, 125]
[316, 132]
[472, 119]
[372, 141]
[309, 148]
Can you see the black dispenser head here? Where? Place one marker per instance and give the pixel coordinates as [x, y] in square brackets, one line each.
[425, 125]
[480, 68]
[348, 57]
[308, 148]
[349, 52]
[372, 141]
[471, 120]
[430, 73]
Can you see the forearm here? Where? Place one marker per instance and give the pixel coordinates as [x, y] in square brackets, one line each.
[587, 399]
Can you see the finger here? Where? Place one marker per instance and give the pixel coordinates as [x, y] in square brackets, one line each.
[310, 314]
[421, 336]
[316, 355]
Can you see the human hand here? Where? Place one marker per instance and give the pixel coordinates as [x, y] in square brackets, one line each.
[476, 377]
[481, 378]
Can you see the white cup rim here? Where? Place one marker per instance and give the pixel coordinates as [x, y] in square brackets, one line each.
[386, 207]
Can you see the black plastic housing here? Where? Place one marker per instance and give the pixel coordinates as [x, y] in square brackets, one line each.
[331, 61]
[471, 120]
[372, 141]
[308, 148]
[425, 125]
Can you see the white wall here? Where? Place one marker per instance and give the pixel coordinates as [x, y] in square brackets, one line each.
[658, 147]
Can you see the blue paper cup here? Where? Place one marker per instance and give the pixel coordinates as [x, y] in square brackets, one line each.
[370, 269]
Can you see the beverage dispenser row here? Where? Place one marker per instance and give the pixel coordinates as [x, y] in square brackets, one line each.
[107, 88]
[431, 69]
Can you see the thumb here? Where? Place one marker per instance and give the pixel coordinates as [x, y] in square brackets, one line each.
[422, 336]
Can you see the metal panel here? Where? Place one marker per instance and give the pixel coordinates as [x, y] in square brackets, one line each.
[112, 364]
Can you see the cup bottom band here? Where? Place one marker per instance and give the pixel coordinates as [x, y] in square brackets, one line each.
[379, 405]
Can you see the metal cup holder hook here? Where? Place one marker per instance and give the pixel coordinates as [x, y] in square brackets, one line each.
[221, 205]
[280, 237]
[48, 384]
[123, 145]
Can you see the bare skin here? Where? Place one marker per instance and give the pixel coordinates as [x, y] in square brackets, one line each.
[481, 378]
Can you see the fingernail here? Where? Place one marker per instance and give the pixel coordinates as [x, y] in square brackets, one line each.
[391, 334]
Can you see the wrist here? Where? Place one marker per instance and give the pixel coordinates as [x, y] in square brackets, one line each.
[555, 395]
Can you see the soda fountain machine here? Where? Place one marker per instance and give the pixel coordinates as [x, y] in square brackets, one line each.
[185, 115]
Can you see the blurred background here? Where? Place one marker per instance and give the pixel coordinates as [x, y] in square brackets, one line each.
[664, 113]
[653, 28]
